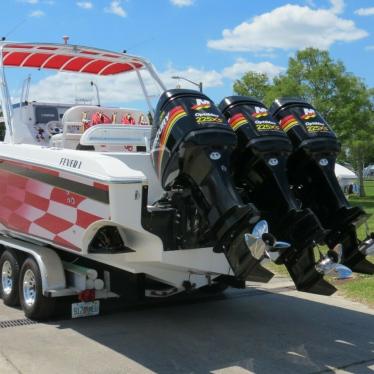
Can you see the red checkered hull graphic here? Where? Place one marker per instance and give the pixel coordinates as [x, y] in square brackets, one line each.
[45, 211]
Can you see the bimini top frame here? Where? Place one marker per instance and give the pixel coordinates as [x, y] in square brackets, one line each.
[68, 58]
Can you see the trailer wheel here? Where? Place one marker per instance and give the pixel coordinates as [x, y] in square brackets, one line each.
[34, 304]
[9, 270]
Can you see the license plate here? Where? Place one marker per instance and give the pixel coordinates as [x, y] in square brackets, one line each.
[85, 309]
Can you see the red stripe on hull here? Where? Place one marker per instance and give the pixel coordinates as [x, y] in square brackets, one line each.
[53, 223]
[50, 213]
[101, 186]
[19, 223]
[85, 219]
[36, 201]
[10, 203]
[67, 198]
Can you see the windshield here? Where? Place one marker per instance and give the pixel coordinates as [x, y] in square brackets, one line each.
[122, 90]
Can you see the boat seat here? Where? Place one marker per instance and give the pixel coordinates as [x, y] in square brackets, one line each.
[80, 112]
[74, 120]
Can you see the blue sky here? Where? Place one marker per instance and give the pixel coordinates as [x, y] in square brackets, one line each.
[212, 41]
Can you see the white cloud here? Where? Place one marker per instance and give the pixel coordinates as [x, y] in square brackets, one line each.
[37, 14]
[85, 4]
[116, 89]
[369, 48]
[310, 3]
[72, 86]
[365, 11]
[182, 3]
[31, 1]
[209, 78]
[116, 8]
[125, 88]
[337, 6]
[241, 66]
[289, 27]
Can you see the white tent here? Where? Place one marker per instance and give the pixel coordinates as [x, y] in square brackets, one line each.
[346, 178]
[369, 171]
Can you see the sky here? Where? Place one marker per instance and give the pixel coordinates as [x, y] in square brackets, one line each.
[212, 41]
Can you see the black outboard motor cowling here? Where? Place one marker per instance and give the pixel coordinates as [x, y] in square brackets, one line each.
[312, 171]
[191, 146]
[259, 166]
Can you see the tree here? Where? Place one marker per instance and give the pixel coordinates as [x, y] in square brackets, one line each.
[343, 99]
[253, 84]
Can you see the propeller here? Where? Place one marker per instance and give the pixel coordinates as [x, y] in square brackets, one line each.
[367, 246]
[329, 264]
[273, 248]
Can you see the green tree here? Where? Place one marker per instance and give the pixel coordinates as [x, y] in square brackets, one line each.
[253, 84]
[342, 98]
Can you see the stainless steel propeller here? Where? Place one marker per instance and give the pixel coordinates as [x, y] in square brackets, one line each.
[271, 248]
[330, 264]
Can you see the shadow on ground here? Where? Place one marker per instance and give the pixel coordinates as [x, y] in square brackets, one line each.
[255, 331]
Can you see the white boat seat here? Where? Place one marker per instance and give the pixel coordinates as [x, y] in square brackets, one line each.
[117, 135]
[76, 113]
[105, 137]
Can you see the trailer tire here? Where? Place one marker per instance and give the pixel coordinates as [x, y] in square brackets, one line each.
[9, 271]
[34, 304]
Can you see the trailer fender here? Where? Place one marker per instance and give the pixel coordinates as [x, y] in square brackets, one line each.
[50, 264]
[51, 269]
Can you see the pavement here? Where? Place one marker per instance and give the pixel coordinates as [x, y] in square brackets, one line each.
[262, 329]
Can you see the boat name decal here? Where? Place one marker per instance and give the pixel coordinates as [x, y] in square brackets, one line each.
[70, 163]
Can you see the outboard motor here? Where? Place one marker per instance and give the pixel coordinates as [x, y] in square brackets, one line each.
[191, 146]
[259, 166]
[311, 170]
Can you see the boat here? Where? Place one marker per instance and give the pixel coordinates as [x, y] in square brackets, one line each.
[91, 190]
[149, 191]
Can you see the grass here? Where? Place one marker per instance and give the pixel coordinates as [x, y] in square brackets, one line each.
[360, 287]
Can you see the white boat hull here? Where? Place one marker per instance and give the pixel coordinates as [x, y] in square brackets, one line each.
[63, 197]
